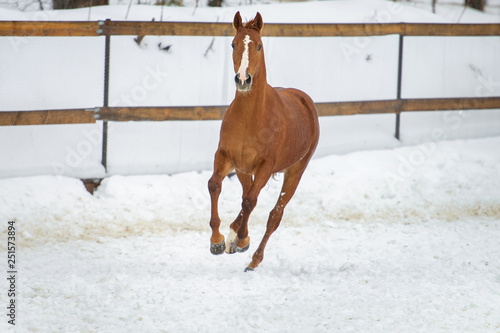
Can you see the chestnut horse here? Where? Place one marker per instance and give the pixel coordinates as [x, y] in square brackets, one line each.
[265, 130]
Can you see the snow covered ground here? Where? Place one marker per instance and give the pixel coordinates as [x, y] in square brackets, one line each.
[400, 237]
[402, 240]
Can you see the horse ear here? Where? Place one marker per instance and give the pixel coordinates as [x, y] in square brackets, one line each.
[237, 22]
[259, 23]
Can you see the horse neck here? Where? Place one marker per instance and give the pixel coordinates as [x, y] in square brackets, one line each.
[253, 101]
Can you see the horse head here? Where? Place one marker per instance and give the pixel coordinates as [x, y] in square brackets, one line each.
[248, 54]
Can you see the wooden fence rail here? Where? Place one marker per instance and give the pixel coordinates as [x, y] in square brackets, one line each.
[145, 113]
[116, 28]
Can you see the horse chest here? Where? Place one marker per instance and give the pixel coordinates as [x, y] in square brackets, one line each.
[247, 145]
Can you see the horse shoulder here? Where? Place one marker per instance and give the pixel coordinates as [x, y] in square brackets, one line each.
[299, 107]
[292, 96]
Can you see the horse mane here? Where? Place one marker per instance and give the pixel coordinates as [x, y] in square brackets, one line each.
[251, 25]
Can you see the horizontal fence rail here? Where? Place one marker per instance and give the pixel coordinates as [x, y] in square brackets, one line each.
[117, 28]
[147, 113]
[46, 117]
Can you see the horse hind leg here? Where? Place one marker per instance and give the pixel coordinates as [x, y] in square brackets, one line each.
[251, 190]
[290, 183]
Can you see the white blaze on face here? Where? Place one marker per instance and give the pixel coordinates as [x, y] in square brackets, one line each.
[244, 59]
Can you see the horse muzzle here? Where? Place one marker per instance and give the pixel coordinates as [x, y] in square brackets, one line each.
[245, 85]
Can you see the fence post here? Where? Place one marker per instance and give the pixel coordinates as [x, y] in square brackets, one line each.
[107, 47]
[400, 76]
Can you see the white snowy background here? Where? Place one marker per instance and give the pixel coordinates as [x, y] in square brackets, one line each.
[382, 235]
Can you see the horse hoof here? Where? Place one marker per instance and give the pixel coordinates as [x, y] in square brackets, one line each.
[218, 248]
[233, 248]
[248, 269]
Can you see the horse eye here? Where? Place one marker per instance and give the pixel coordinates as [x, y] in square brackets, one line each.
[259, 47]
[232, 45]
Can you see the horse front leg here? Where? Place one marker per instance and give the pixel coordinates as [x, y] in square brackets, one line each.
[222, 167]
[231, 247]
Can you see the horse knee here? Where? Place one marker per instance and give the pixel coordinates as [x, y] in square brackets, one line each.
[248, 204]
[214, 186]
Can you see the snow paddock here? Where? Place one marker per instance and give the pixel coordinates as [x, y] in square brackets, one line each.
[372, 241]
